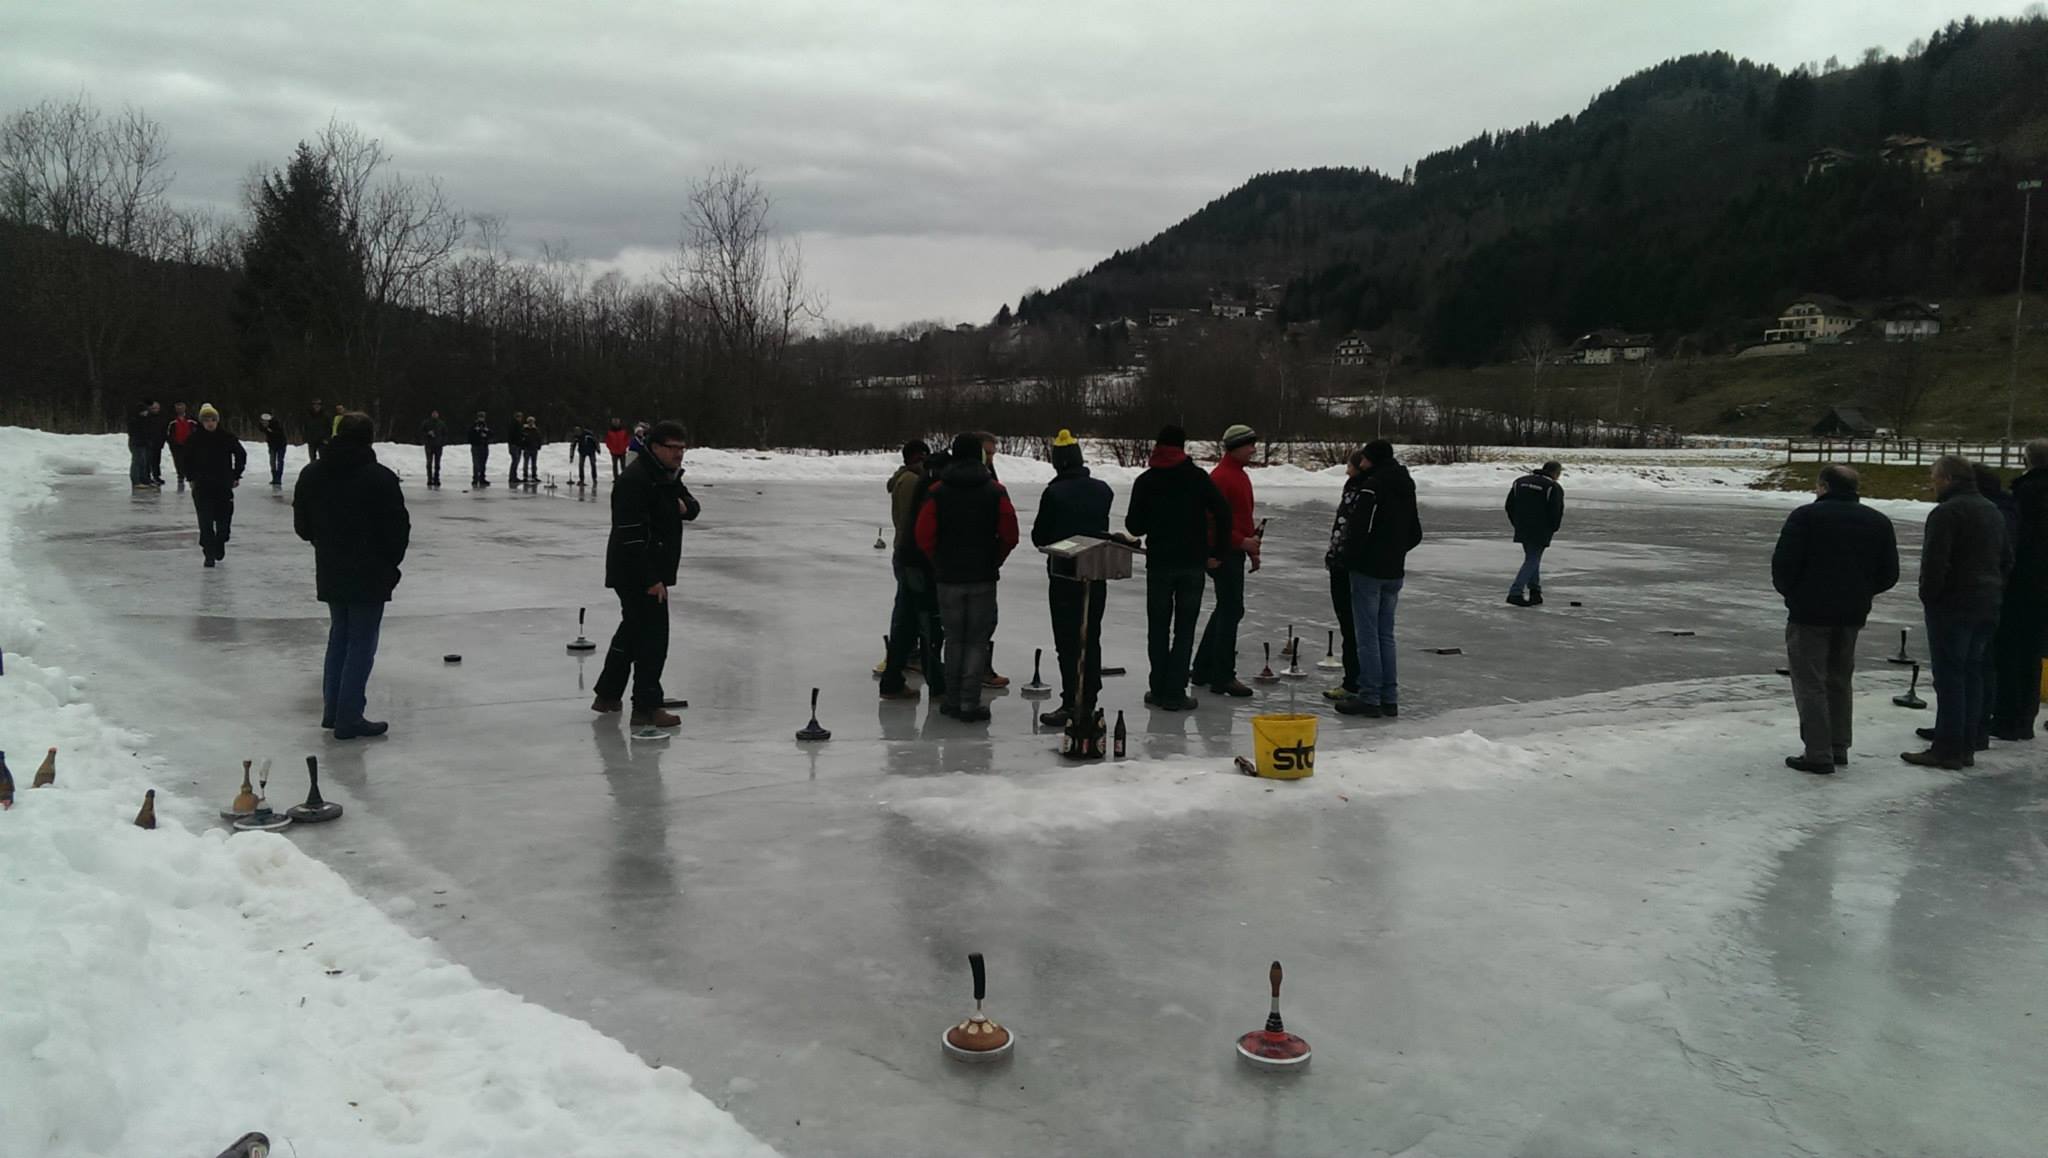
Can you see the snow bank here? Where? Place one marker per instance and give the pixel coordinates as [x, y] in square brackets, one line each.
[166, 991]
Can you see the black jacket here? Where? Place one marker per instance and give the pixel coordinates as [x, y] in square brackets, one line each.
[907, 553]
[433, 434]
[214, 459]
[349, 507]
[274, 435]
[966, 525]
[1965, 555]
[143, 428]
[1377, 523]
[319, 429]
[1536, 508]
[1174, 505]
[649, 507]
[1834, 556]
[1074, 503]
[2030, 546]
[480, 434]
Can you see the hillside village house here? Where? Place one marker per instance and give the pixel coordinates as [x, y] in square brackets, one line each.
[1909, 321]
[1814, 318]
[1605, 347]
[1228, 308]
[1353, 350]
[1162, 319]
[1827, 160]
[1930, 156]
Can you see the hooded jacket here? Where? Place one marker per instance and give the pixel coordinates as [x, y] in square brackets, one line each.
[1377, 523]
[966, 525]
[178, 431]
[480, 433]
[902, 488]
[1074, 503]
[1965, 554]
[348, 505]
[1235, 483]
[1535, 508]
[617, 440]
[142, 429]
[1833, 557]
[433, 434]
[214, 460]
[1176, 507]
[274, 435]
[649, 507]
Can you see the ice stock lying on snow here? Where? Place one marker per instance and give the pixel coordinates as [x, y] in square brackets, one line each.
[166, 991]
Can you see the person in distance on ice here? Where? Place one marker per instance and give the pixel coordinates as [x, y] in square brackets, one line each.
[349, 506]
[1073, 504]
[214, 460]
[319, 432]
[530, 442]
[479, 451]
[583, 448]
[1378, 524]
[650, 504]
[1340, 584]
[177, 433]
[1536, 510]
[2022, 637]
[1964, 558]
[991, 678]
[515, 446]
[967, 528]
[617, 440]
[142, 424]
[906, 633]
[433, 437]
[1215, 665]
[277, 441]
[1185, 522]
[1833, 557]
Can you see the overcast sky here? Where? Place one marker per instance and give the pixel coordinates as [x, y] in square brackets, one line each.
[937, 157]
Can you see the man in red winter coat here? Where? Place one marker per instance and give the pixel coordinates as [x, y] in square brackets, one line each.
[967, 528]
[617, 440]
[176, 435]
[1216, 659]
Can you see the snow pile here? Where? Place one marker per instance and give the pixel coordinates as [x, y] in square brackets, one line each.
[168, 990]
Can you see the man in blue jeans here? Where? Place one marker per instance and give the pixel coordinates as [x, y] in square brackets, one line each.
[1965, 556]
[1536, 509]
[1377, 525]
[350, 508]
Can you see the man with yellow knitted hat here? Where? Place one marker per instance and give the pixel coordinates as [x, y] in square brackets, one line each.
[214, 460]
[1073, 504]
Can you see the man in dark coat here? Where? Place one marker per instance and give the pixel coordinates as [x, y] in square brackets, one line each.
[1965, 556]
[1340, 584]
[177, 432]
[1536, 510]
[433, 437]
[2022, 636]
[349, 506]
[277, 442]
[1074, 503]
[515, 446]
[479, 452]
[1833, 557]
[1378, 524]
[319, 432]
[1186, 524]
[1215, 662]
[143, 423]
[906, 630]
[214, 461]
[967, 528]
[650, 504]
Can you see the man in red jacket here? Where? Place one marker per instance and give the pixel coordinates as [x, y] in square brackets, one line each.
[1216, 659]
[967, 528]
[177, 434]
[617, 440]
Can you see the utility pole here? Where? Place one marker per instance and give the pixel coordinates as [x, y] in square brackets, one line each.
[2019, 305]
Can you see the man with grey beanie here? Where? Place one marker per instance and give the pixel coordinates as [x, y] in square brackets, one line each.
[1215, 665]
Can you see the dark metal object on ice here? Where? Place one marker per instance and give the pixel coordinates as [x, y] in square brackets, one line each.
[250, 1145]
[316, 809]
[977, 1039]
[1273, 1048]
[260, 817]
[1330, 662]
[581, 642]
[451, 657]
[1576, 603]
[881, 544]
[1293, 652]
[1680, 633]
[811, 731]
[675, 703]
[1090, 559]
[1266, 675]
[1912, 697]
[1902, 659]
[1446, 651]
[1037, 689]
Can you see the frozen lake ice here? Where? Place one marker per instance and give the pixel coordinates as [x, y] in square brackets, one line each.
[1610, 922]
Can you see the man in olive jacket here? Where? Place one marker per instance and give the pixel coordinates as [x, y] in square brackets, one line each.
[349, 506]
[1833, 557]
[650, 504]
[1964, 559]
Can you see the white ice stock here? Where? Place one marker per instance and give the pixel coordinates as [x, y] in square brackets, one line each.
[166, 991]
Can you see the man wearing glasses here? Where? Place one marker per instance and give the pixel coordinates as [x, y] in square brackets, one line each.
[213, 461]
[650, 504]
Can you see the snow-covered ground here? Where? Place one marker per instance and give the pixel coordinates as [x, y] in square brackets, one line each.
[165, 991]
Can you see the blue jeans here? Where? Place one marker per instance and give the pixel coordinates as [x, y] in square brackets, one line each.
[277, 466]
[352, 632]
[1960, 650]
[1531, 574]
[138, 465]
[1372, 617]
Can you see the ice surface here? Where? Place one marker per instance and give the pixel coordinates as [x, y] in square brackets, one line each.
[1571, 902]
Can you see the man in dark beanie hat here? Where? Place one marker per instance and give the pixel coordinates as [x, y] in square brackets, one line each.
[967, 528]
[1215, 664]
[348, 505]
[1185, 521]
[1377, 525]
[1073, 504]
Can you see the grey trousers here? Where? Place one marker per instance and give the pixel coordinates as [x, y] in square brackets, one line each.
[968, 611]
[1823, 665]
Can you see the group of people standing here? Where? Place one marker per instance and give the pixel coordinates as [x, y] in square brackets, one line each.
[523, 443]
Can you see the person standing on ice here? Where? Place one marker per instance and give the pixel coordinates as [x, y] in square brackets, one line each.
[967, 528]
[1833, 557]
[991, 678]
[1535, 509]
[1965, 556]
[479, 451]
[214, 460]
[905, 633]
[515, 446]
[583, 449]
[1378, 524]
[277, 442]
[530, 442]
[319, 432]
[142, 424]
[177, 433]
[617, 440]
[1185, 522]
[1215, 663]
[349, 506]
[650, 504]
[1340, 584]
[433, 437]
[1073, 504]
[2022, 637]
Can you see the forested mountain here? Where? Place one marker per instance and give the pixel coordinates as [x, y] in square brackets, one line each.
[1685, 201]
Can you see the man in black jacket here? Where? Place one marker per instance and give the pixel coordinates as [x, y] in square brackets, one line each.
[2022, 637]
[1834, 556]
[349, 506]
[1185, 521]
[214, 461]
[143, 424]
[319, 432]
[479, 452]
[1340, 584]
[1965, 556]
[1073, 504]
[1536, 510]
[1377, 525]
[967, 528]
[907, 617]
[277, 442]
[433, 437]
[650, 504]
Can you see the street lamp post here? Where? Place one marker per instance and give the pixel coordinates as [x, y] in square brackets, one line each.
[2019, 305]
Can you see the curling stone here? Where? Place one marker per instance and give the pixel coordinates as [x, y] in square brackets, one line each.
[245, 801]
[1292, 645]
[451, 657]
[1266, 675]
[1273, 1048]
[1902, 659]
[881, 544]
[260, 818]
[1037, 689]
[1576, 603]
[581, 642]
[1293, 653]
[1447, 651]
[1681, 633]
[147, 817]
[812, 732]
[1330, 662]
[649, 734]
[250, 1145]
[1912, 697]
[978, 1039]
[315, 810]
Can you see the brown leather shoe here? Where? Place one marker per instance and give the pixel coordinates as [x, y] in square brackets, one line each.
[656, 718]
[600, 704]
[1932, 759]
[996, 681]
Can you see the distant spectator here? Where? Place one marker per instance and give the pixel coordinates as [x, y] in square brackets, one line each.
[1965, 556]
[433, 437]
[277, 441]
[1536, 510]
[142, 426]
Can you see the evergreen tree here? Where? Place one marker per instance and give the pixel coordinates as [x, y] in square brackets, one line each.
[302, 281]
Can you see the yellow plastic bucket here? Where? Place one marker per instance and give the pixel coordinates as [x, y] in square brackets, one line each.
[1285, 745]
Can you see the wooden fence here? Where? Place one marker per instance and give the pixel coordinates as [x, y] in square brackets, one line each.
[1903, 451]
